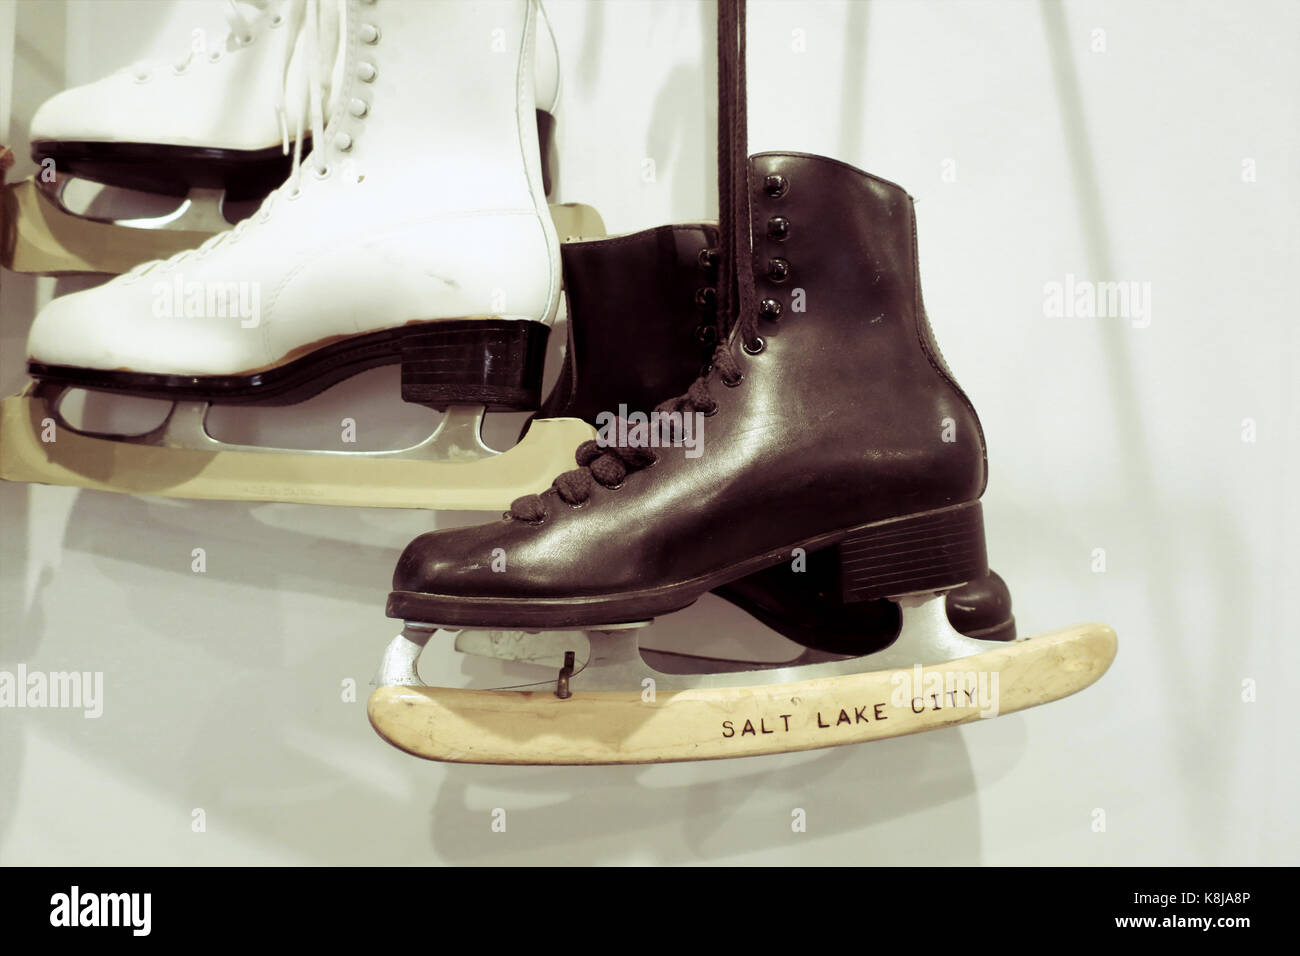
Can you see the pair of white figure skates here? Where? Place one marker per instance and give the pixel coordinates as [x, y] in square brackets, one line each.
[453, 269]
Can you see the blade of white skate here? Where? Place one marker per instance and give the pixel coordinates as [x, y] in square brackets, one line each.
[451, 469]
[44, 238]
[200, 212]
[458, 437]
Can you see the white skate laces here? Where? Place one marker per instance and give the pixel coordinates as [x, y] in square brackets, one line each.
[242, 33]
[303, 18]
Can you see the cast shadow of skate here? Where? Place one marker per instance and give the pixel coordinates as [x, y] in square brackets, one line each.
[22, 623]
[1141, 715]
[229, 543]
[861, 804]
[267, 752]
[675, 146]
[1165, 568]
[13, 744]
[680, 135]
[687, 148]
[22, 618]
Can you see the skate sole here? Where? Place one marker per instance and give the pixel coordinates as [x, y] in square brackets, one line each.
[936, 565]
[173, 170]
[602, 727]
[485, 361]
[339, 478]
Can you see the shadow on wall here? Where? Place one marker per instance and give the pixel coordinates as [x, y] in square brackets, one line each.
[38, 73]
[874, 793]
[672, 143]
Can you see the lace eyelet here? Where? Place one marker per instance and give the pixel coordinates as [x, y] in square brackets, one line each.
[736, 382]
[181, 70]
[708, 258]
[706, 297]
[321, 173]
[367, 72]
[293, 194]
[277, 20]
[758, 346]
[778, 270]
[706, 334]
[776, 185]
[215, 56]
[778, 229]
[770, 309]
[712, 411]
[358, 108]
[369, 34]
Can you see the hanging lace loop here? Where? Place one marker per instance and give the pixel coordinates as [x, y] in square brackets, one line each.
[736, 317]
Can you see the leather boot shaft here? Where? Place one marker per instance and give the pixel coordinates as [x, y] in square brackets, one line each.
[642, 319]
[836, 248]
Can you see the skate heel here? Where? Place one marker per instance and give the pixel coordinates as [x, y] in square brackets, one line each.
[496, 363]
[928, 552]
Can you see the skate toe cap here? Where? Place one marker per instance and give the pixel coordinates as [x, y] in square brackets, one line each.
[118, 327]
[80, 113]
[459, 561]
[60, 335]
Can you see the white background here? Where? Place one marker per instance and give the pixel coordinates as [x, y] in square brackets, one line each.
[223, 688]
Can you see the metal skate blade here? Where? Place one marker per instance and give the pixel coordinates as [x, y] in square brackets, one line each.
[614, 660]
[650, 718]
[42, 237]
[201, 212]
[451, 469]
[458, 437]
[548, 649]
[576, 221]
[544, 648]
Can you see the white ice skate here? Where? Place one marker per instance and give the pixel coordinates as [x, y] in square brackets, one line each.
[140, 165]
[416, 232]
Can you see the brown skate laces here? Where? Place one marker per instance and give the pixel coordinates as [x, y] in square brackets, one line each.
[607, 464]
